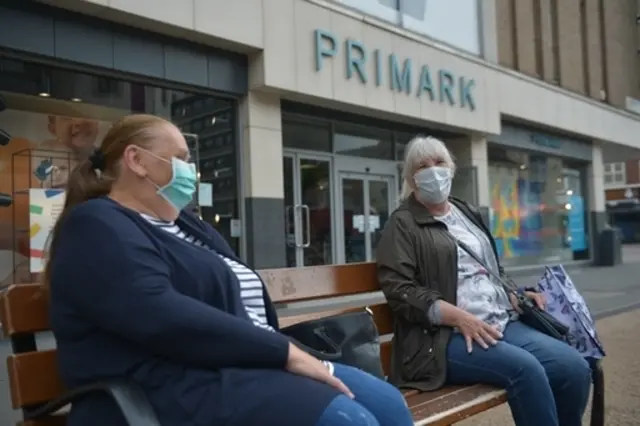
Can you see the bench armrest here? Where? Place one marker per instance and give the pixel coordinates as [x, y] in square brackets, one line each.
[132, 402]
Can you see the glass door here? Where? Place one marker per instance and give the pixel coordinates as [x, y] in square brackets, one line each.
[308, 204]
[364, 205]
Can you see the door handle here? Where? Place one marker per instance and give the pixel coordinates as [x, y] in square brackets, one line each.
[308, 227]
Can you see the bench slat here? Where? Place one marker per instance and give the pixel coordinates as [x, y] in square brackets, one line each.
[320, 282]
[59, 420]
[24, 310]
[453, 404]
[381, 314]
[33, 378]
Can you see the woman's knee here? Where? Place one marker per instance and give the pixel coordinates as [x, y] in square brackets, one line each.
[343, 411]
[379, 397]
[530, 368]
[571, 370]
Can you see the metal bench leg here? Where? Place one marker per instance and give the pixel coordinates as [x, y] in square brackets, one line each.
[597, 403]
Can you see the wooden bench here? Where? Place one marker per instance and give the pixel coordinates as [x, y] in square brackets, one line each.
[34, 380]
[35, 383]
[330, 283]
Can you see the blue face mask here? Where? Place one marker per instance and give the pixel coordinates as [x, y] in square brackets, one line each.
[180, 189]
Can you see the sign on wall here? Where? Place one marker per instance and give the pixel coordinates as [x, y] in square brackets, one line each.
[397, 73]
[533, 140]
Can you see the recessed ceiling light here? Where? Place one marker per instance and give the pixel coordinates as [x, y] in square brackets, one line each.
[44, 94]
[76, 100]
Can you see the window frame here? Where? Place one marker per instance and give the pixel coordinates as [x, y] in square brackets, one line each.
[614, 174]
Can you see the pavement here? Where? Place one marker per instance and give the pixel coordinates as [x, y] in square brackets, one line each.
[622, 373]
[613, 295]
[607, 290]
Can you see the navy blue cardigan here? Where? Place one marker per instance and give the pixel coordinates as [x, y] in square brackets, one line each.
[131, 300]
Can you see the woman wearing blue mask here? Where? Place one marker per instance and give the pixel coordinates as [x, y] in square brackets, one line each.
[145, 291]
[453, 323]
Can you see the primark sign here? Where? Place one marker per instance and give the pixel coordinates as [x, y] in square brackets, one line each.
[397, 73]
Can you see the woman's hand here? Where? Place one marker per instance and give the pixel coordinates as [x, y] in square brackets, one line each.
[538, 299]
[303, 364]
[472, 328]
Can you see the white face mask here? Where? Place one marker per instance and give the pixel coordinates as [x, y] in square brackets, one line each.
[433, 185]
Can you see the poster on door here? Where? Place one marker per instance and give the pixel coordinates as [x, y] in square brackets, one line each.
[45, 206]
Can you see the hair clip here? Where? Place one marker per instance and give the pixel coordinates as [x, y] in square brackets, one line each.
[97, 161]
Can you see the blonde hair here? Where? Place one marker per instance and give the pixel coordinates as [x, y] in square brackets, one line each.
[419, 149]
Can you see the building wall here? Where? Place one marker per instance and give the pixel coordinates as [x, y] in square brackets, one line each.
[205, 21]
[586, 46]
[621, 49]
[315, 59]
[632, 171]
[630, 188]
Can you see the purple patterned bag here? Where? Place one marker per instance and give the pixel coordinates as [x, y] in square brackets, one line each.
[568, 306]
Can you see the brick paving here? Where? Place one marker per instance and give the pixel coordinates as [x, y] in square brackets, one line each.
[622, 376]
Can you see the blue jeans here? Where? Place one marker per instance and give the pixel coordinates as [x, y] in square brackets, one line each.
[547, 381]
[377, 403]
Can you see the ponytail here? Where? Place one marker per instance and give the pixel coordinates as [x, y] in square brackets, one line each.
[84, 183]
[94, 177]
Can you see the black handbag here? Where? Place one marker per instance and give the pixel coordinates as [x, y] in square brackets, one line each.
[351, 338]
[531, 314]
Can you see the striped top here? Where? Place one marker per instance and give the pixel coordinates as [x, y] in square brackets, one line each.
[251, 290]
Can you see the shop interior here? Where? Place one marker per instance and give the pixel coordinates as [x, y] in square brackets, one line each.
[51, 118]
[539, 212]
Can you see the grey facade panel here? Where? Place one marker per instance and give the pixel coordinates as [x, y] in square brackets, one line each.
[222, 73]
[21, 30]
[535, 140]
[266, 241]
[186, 66]
[138, 56]
[79, 42]
[43, 30]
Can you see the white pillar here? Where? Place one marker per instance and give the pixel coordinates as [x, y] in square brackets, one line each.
[262, 180]
[472, 180]
[597, 207]
[595, 177]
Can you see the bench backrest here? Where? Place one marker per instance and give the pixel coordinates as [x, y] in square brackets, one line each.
[327, 283]
[33, 377]
[24, 311]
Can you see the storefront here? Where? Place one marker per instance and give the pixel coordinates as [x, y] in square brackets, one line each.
[539, 203]
[341, 182]
[64, 78]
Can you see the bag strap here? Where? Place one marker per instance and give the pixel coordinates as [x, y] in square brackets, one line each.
[507, 285]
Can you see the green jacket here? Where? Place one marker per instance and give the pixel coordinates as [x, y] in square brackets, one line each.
[417, 264]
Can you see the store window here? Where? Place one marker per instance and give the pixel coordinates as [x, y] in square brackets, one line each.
[440, 20]
[615, 174]
[306, 135]
[51, 118]
[538, 210]
[362, 141]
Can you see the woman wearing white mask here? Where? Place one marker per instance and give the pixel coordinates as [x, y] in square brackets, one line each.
[453, 323]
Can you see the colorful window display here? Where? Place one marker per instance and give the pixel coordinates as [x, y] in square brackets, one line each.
[52, 118]
[537, 210]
